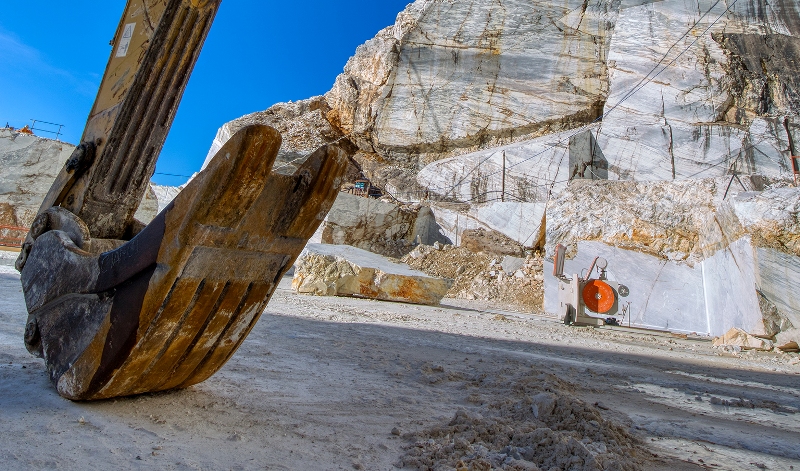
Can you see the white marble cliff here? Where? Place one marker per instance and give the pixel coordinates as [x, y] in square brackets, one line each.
[491, 111]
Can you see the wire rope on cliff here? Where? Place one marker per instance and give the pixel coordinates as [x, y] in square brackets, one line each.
[641, 84]
[521, 176]
[647, 79]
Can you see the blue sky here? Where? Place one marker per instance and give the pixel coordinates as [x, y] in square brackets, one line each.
[258, 53]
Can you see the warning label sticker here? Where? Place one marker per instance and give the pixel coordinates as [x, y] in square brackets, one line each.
[125, 42]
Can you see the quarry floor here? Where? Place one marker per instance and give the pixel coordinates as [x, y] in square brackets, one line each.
[341, 383]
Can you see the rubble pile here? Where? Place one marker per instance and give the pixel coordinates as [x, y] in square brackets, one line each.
[302, 125]
[482, 240]
[736, 340]
[511, 282]
[737, 337]
[538, 425]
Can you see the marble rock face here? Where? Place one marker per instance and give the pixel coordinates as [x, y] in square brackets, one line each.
[769, 222]
[679, 102]
[29, 165]
[664, 295]
[533, 170]
[452, 221]
[497, 113]
[155, 200]
[377, 226]
[664, 219]
[770, 217]
[483, 102]
[714, 98]
[451, 77]
[342, 270]
[523, 223]
[694, 259]
[302, 124]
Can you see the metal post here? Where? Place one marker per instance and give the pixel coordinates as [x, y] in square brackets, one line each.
[456, 241]
[792, 151]
[503, 187]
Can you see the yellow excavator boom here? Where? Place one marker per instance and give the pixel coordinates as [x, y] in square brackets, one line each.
[153, 52]
[118, 308]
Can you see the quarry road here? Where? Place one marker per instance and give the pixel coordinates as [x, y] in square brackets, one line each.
[342, 383]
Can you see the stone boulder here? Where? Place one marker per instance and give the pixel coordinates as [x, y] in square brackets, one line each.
[342, 270]
[512, 264]
[452, 220]
[377, 226]
[791, 346]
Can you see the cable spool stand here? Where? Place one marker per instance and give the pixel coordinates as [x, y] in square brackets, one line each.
[582, 298]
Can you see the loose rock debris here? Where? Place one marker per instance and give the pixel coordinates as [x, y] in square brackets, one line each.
[537, 425]
[345, 383]
[481, 276]
[738, 338]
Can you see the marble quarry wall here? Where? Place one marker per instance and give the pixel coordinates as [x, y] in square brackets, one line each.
[28, 166]
[670, 91]
[491, 113]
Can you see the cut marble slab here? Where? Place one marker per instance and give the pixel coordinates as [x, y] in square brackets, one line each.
[342, 270]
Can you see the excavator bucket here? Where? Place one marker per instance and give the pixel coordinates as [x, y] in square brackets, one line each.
[169, 307]
[118, 308]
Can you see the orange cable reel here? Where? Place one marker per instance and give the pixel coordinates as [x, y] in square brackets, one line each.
[598, 296]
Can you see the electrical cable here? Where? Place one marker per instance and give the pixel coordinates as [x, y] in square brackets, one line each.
[172, 174]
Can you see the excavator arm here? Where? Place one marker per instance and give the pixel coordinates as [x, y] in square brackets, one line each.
[115, 308]
[153, 52]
